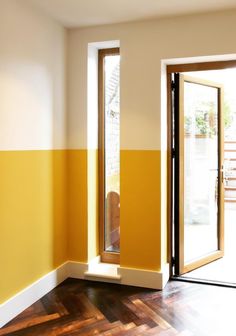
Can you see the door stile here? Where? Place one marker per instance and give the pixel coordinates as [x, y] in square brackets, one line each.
[179, 179]
[222, 170]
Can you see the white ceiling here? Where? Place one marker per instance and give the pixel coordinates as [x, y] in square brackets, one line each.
[78, 13]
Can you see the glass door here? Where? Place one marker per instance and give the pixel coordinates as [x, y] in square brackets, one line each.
[200, 137]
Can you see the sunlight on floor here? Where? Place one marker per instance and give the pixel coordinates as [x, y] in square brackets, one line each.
[223, 269]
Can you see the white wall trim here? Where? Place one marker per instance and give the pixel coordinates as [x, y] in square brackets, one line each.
[102, 271]
[95, 261]
[25, 298]
[128, 276]
[125, 276]
[77, 269]
[144, 278]
[165, 274]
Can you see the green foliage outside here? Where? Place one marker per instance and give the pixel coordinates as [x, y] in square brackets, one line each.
[228, 116]
[205, 119]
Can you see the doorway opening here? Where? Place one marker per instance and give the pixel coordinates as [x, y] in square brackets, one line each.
[203, 165]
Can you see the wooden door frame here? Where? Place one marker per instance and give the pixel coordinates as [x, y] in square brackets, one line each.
[220, 219]
[170, 70]
[107, 257]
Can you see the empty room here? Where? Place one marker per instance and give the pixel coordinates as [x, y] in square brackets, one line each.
[117, 167]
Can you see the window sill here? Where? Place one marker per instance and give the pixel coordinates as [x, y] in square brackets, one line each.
[103, 270]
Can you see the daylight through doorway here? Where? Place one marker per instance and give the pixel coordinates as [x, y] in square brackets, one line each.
[200, 189]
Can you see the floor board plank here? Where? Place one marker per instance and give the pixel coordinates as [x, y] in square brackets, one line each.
[86, 308]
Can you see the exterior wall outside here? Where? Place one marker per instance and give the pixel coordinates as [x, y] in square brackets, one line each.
[113, 150]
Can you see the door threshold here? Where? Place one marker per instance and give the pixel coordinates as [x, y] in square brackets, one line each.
[203, 281]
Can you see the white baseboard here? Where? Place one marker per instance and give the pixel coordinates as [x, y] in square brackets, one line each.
[144, 278]
[165, 274]
[22, 300]
[102, 272]
[94, 271]
[76, 269]
[125, 276]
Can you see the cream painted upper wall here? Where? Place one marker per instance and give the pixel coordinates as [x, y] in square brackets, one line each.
[77, 13]
[32, 79]
[143, 46]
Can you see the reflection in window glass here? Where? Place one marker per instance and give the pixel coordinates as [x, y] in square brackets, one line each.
[200, 170]
[112, 153]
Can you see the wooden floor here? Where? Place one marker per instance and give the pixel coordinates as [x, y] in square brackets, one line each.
[79, 307]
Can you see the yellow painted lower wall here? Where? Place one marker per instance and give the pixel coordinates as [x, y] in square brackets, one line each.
[83, 205]
[140, 212]
[140, 209]
[92, 199]
[49, 212]
[77, 205]
[165, 209]
[33, 239]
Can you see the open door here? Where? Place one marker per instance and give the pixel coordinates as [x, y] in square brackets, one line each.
[199, 173]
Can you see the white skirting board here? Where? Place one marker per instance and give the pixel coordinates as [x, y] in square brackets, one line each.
[78, 270]
[32, 293]
[144, 278]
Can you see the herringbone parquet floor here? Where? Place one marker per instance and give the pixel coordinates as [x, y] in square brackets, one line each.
[79, 307]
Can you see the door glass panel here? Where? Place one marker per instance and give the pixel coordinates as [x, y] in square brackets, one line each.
[200, 171]
[112, 153]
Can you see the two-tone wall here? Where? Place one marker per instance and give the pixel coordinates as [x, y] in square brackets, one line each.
[33, 235]
[48, 161]
[144, 47]
[140, 153]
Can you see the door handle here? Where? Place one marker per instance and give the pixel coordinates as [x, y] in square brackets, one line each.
[222, 171]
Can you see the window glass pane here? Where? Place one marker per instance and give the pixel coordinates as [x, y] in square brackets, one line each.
[112, 153]
[200, 170]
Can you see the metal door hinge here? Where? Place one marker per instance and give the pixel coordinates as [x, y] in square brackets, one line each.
[173, 85]
[173, 153]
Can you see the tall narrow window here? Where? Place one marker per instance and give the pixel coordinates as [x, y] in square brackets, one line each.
[109, 154]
